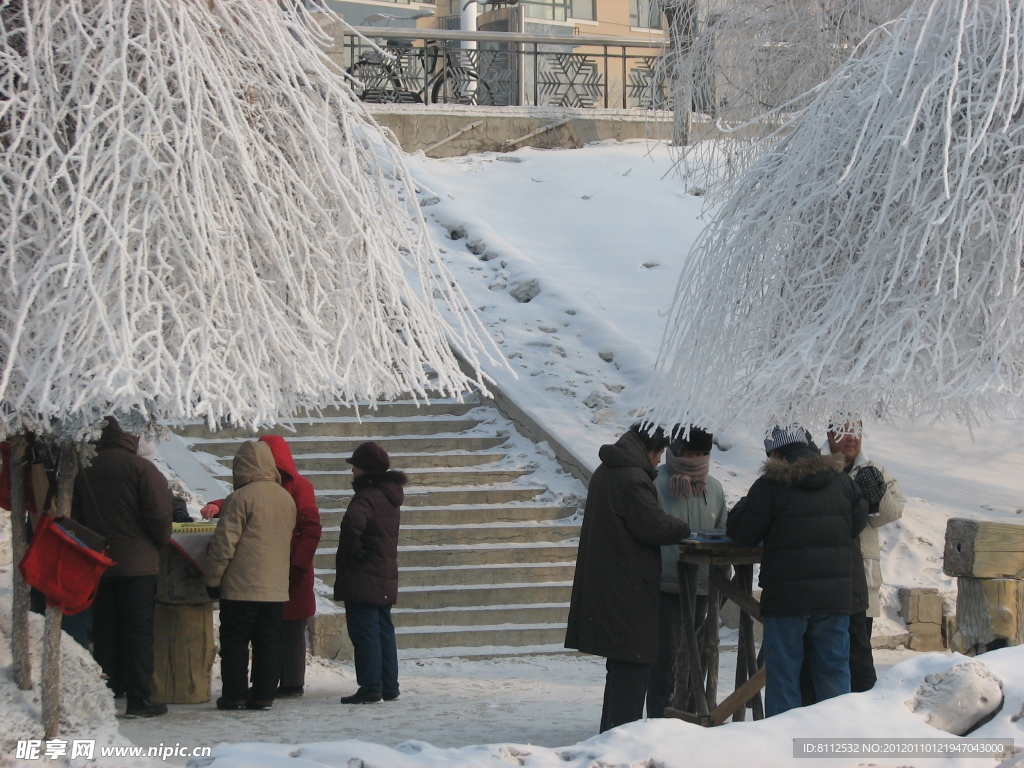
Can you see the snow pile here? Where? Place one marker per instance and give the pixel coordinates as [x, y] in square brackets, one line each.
[87, 705]
[877, 714]
[956, 699]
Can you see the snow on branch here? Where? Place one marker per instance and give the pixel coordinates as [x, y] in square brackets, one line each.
[199, 220]
[747, 68]
[871, 262]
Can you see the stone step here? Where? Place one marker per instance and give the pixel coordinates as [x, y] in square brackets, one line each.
[470, 514]
[366, 429]
[539, 613]
[404, 409]
[420, 557]
[512, 573]
[500, 635]
[405, 461]
[425, 478]
[438, 497]
[498, 533]
[484, 594]
[343, 446]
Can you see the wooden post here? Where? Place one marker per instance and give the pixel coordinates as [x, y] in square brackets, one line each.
[989, 614]
[983, 550]
[21, 657]
[183, 647]
[988, 561]
[711, 639]
[680, 692]
[184, 651]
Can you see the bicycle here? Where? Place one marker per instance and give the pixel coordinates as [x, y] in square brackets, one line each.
[412, 76]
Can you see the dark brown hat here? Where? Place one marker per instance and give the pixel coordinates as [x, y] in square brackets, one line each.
[370, 457]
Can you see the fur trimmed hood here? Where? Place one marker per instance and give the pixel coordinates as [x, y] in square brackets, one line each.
[806, 469]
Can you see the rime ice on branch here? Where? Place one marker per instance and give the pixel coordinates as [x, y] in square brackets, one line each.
[198, 219]
[871, 261]
[749, 66]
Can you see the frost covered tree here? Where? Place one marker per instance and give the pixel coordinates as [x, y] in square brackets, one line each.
[871, 262]
[747, 67]
[199, 220]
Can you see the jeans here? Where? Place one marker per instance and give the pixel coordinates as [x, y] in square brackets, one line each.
[243, 622]
[122, 634]
[376, 652]
[828, 653]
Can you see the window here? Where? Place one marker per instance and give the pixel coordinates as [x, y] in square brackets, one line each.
[645, 13]
[584, 9]
[549, 10]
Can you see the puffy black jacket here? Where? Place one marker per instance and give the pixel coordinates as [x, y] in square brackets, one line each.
[806, 511]
[614, 606]
[367, 559]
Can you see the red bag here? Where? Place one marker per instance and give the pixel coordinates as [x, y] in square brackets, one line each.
[63, 568]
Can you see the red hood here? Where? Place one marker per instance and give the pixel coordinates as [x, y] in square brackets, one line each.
[282, 454]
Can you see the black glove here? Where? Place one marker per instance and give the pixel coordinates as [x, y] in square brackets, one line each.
[872, 484]
[213, 592]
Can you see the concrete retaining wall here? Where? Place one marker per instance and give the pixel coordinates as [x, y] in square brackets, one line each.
[417, 127]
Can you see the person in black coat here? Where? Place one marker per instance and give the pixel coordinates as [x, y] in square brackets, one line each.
[367, 572]
[614, 607]
[805, 510]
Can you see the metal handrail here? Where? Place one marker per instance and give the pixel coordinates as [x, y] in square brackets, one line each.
[504, 37]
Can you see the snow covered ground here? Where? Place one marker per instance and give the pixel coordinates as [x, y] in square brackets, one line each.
[571, 259]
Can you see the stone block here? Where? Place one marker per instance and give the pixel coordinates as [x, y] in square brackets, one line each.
[925, 636]
[926, 641]
[891, 642]
[920, 604]
[328, 637]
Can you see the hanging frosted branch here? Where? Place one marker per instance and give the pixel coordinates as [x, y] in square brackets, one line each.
[871, 262]
[751, 67]
[199, 219]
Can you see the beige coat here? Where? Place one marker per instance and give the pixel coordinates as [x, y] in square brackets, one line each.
[889, 508]
[250, 552]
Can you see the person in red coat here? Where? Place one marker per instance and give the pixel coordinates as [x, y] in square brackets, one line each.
[305, 539]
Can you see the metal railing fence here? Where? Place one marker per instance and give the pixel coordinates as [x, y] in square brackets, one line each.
[435, 66]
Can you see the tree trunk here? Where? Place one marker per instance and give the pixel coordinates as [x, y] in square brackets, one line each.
[67, 465]
[682, 17]
[184, 651]
[22, 660]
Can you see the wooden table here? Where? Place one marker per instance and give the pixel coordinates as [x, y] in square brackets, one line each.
[697, 662]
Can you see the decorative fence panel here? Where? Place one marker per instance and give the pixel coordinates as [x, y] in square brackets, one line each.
[506, 69]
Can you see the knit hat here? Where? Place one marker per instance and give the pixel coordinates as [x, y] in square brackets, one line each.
[780, 437]
[371, 458]
[697, 440]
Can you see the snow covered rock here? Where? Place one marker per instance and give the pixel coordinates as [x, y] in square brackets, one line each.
[957, 699]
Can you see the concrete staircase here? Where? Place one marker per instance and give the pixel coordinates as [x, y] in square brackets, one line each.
[489, 526]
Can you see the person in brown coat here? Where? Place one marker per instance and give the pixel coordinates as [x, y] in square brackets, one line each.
[125, 498]
[248, 562]
[367, 572]
[613, 611]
